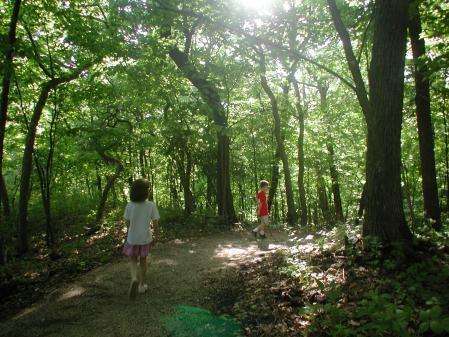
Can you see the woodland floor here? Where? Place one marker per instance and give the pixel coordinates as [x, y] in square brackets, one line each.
[96, 304]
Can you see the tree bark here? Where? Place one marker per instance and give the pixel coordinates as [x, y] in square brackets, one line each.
[291, 212]
[210, 95]
[424, 120]
[384, 216]
[6, 82]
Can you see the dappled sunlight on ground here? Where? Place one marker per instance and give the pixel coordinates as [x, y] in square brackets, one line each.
[234, 254]
[166, 262]
[75, 291]
[26, 312]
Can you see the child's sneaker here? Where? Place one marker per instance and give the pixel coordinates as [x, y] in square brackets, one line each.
[133, 290]
[143, 288]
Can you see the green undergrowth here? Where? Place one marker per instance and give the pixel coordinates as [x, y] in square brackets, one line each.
[327, 284]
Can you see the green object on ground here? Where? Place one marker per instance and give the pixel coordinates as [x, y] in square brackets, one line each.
[196, 322]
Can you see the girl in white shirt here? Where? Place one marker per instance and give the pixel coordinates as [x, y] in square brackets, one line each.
[140, 214]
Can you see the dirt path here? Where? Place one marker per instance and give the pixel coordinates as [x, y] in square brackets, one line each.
[97, 304]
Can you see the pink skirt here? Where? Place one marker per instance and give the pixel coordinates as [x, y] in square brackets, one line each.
[137, 250]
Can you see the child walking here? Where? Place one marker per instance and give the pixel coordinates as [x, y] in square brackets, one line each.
[263, 213]
[140, 214]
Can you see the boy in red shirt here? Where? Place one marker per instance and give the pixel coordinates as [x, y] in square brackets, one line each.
[262, 209]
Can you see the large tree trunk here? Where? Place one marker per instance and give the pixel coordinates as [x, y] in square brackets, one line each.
[210, 95]
[424, 120]
[291, 212]
[300, 147]
[8, 67]
[384, 216]
[322, 88]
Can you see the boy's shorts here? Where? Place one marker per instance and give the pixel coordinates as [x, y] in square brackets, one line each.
[264, 220]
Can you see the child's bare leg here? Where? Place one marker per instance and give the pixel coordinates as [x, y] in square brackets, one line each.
[256, 230]
[143, 270]
[134, 283]
[133, 267]
[263, 226]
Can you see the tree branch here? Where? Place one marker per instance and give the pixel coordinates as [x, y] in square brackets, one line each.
[353, 65]
[36, 53]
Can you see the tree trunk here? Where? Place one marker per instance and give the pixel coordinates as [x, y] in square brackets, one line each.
[151, 176]
[4, 198]
[27, 160]
[185, 165]
[384, 216]
[408, 196]
[322, 198]
[446, 157]
[27, 168]
[210, 95]
[142, 167]
[110, 181]
[172, 183]
[291, 212]
[45, 185]
[8, 68]
[424, 120]
[362, 205]
[322, 88]
[300, 147]
[254, 160]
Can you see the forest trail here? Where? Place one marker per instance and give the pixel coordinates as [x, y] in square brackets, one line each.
[96, 304]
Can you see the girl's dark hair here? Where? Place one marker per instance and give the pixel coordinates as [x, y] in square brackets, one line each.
[139, 190]
[263, 183]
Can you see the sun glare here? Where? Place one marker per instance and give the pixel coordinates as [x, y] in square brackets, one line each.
[257, 6]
